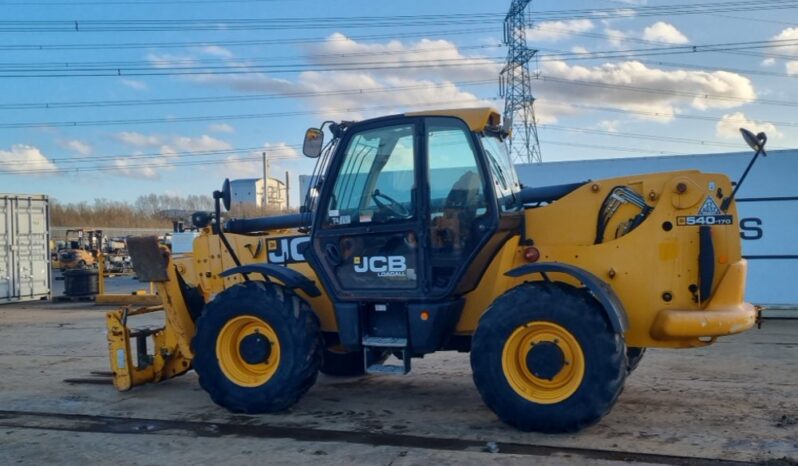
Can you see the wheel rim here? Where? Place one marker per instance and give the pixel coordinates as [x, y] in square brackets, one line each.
[234, 337]
[518, 351]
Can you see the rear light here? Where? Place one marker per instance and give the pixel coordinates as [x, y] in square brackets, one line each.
[531, 254]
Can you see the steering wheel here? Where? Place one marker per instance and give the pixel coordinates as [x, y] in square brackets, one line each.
[390, 204]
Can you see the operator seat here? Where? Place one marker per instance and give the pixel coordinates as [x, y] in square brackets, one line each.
[452, 231]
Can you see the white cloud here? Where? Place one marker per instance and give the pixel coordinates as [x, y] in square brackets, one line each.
[437, 56]
[165, 60]
[133, 138]
[238, 167]
[768, 62]
[664, 32]
[280, 150]
[615, 36]
[165, 145]
[550, 31]
[75, 145]
[789, 34]
[608, 125]
[423, 70]
[221, 128]
[579, 49]
[610, 80]
[245, 166]
[23, 157]
[134, 84]
[730, 124]
[172, 144]
[135, 170]
[217, 51]
[203, 143]
[791, 67]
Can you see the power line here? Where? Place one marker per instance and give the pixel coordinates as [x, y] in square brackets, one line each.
[71, 124]
[183, 154]
[544, 78]
[241, 24]
[237, 43]
[237, 24]
[244, 68]
[650, 137]
[659, 114]
[652, 90]
[154, 65]
[247, 60]
[635, 150]
[234, 98]
[132, 2]
[118, 167]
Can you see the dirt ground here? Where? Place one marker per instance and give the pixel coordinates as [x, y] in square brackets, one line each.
[734, 402]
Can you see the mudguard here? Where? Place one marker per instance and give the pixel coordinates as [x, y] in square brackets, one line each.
[604, 294]
[290, 278]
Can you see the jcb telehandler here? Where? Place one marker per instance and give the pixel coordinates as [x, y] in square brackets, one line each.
[417, 237]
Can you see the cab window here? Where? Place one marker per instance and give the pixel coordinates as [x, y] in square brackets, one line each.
[377, 178]
[458, 209]
[505, 180]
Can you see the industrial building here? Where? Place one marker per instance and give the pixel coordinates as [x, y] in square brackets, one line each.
[249, 191]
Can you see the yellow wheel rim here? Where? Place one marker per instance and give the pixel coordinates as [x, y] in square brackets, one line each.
[534, 388]
[232, 362]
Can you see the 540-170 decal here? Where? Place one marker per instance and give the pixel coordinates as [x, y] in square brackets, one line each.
[708, 214]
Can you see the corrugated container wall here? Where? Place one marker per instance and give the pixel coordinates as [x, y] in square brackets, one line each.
[24, 247]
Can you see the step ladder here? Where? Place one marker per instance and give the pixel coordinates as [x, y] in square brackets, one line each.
[375, 346]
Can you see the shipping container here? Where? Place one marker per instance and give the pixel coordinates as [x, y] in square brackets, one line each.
[24, 248]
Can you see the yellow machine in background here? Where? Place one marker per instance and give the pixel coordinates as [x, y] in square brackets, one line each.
[416, 238]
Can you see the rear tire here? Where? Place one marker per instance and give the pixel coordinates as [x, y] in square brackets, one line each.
[633, 357]
[573, 378]
[257, 377]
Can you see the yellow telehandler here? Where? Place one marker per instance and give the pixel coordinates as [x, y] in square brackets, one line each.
[417, 237]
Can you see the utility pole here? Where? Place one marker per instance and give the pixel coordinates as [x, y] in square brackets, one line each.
[516, 88]
[266, 169]
[287, 186]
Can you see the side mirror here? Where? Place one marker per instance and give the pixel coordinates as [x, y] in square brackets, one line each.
[755, 142]
[226, 194]
[314, 141]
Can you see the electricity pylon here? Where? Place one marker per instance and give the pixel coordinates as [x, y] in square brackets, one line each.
[516, 88]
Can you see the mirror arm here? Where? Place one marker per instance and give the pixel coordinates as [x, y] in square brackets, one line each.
[724, 206]
[219, 229]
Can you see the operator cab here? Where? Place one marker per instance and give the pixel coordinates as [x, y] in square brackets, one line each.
[409, 213]
[409, 203]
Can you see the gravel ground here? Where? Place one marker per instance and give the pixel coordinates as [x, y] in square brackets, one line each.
[734, 401]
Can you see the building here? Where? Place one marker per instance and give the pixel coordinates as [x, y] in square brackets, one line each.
[249, 191]
[767, 204]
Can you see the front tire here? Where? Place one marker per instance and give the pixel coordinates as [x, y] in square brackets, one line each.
[545, 358]
[257, 348]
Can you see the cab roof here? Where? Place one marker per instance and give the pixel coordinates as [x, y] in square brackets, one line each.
[476, 118]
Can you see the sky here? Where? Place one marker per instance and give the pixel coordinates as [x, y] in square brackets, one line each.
[119, 98]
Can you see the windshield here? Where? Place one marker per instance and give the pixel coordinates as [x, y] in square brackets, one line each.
[505, 179]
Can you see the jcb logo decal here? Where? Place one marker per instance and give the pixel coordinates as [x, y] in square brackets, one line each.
[286, 250]
[383, 266]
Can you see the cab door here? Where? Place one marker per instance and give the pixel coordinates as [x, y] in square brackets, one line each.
[368, 229]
